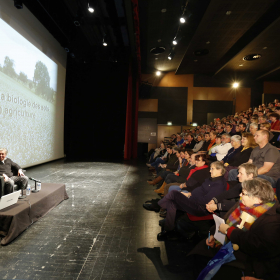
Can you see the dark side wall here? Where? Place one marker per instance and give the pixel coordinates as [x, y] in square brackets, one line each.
[95, 110]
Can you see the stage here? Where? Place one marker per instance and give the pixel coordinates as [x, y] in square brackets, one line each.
[100, 232]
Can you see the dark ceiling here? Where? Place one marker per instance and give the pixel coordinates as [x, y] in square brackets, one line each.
[85, 42]
[251, 27]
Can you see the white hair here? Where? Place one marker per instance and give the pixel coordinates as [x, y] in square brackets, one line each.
[254, 124]
[236, 138]
[5, 150]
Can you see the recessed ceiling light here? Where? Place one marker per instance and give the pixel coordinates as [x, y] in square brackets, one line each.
[264, 48]
[251, 57]
[158, 73]
[228, 13]
[182, 20]
[174, 42]
[208, 42]
[163, 10]
[235, 85]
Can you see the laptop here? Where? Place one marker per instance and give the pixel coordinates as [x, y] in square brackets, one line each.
[9, 199]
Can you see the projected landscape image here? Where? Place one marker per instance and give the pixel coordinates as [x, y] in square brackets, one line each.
[28, 90]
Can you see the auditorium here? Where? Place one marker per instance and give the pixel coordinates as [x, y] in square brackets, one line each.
[140, 139]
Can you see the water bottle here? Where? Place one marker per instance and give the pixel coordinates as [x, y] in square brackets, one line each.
[38, 186]
[28, 190]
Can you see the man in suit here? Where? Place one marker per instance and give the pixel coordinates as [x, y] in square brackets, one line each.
[7, 169]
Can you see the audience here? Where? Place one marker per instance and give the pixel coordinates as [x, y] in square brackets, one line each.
[221, 150]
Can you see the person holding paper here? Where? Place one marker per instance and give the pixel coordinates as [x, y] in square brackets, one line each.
[255, 240]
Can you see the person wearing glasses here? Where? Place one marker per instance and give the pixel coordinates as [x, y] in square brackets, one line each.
[256, 243]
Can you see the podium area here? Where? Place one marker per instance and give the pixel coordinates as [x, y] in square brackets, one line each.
[100, 232]
[18, 217]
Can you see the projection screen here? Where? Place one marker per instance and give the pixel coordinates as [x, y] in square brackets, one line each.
[32, 87]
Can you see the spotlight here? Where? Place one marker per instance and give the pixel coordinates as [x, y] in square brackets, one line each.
[169, 123]
[174, 42]
[158, 73]
[170, 56]
[104, 41]
[18, 4]
[235, 85]
[90, 8]
[182, 20]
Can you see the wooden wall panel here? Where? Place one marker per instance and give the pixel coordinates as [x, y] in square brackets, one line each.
[148, 105]
[166, 131]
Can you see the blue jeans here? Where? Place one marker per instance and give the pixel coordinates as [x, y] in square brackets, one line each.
[232, 176]
[157, 162]
[176, 188]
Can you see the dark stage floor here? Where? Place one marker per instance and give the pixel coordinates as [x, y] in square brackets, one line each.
[100, 232]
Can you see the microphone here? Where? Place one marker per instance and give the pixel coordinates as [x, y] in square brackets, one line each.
[35, 180]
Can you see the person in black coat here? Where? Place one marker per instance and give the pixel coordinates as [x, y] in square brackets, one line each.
[193, 202]
[257, 245]
[8, 169]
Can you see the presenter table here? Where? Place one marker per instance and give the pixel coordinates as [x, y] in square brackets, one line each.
[18, 217]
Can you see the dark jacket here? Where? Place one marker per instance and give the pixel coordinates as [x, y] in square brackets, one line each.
[184, 173]
[231, 153]
[197, 178]
[211, 187]
[190, 145]
[240, 157]
[9, 167]
[227, 199]
[205, 146]
[259, 247]
[173, 162]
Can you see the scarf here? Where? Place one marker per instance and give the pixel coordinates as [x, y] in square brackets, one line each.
[195, 169]
[256, 211]
[211, 144]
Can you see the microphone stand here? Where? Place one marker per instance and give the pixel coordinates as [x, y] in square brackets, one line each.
[22, 195]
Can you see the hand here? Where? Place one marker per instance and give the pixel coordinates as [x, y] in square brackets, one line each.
[183, 186]
[20, 173]
[223, 228]
[6, 178]
[188, 195]
[180, 159]
[210, 243]
[163, 165]
[211, 206]
[176, 172]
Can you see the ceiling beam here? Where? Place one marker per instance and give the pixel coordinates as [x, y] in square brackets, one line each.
[268, 73]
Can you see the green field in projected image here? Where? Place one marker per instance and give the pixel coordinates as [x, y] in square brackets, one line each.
[27, 122]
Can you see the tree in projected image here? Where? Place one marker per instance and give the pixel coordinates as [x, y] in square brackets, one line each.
[8, 67]
[23, 77]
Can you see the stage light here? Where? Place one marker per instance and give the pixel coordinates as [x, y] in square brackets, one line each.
[170, 56]
[235, 85]
[174, 42]
[194, 124]
[90, 8]
[104, 42]
[18, 4]
[169, 123]
[158, 73]
[182, 20]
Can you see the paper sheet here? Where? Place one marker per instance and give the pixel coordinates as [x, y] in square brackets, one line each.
[218, 235]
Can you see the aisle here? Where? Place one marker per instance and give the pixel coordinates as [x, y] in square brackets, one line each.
[100, 232]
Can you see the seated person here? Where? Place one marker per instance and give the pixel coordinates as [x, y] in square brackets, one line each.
[7, 170]
[180, 175]
[158, 152]
[190, 142]
[222, 149]
[254, 128]
[257, 245]
[224, 201]
[193, 202]
[196, 176]
[266, 157]
[218, 141]
[199, 143]
[206, 143]
[267, 126]
[180, 140]
[180, 162]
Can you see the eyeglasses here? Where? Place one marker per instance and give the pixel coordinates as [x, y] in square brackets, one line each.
[244, 194]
